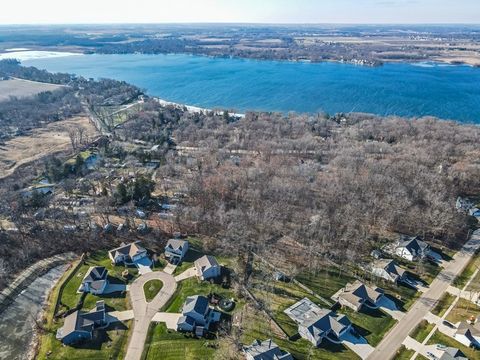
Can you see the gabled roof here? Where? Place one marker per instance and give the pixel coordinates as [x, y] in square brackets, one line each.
[95, 273]
[413, 244]
[453, 354]
[206, 262]
[197, 304]
[76, 322]
[358, 292]
[131, 249]
[266, 350]
[468, 330]
[390, 266]
[176, 244]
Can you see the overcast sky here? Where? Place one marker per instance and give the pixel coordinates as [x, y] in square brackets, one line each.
[262, 11]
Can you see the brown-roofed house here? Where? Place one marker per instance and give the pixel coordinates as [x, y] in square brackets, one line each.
[358, 294]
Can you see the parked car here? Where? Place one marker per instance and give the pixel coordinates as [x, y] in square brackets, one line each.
[431, 356]
[449, 324]
[441, 347]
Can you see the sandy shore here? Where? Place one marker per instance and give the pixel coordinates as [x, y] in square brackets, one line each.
[195, 109]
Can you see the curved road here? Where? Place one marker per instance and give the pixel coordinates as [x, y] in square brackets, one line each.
[144, 312]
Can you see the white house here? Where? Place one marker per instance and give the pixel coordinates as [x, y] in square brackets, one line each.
[197, 315]
[265, 350]
[175, 250]
[207, 267]
[387, 269]
[467, 334]
[412, 248]
[315, 323]
[128, 253]
[95, 280]
[357, 295]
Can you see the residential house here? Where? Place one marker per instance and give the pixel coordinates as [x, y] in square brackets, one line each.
[79, 325]
[175, 250]
[357, 295]
[316, 324]
[128, 253]
[207, 267]
[265, 350]
[412, 248]
[197, 315]
[387, 269]
[453, 354]
[468, 334]
[95, 280]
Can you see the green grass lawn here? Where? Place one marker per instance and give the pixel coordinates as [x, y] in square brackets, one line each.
[463, 310]
[69, 297]
[439, 338]
[171, 345]
[151, 289]
[256, 325]
[325, 282]
[421, 332]
[443, 304]
[371, 324]
[403, 354]
[188, 260]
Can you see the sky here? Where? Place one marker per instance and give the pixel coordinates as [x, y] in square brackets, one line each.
[239, 11]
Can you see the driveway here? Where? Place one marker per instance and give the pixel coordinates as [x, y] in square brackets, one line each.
[358, 345]
[116, 316]
[144, 312]
[169, 319]
[394, 339]
[191, 272]
[390, 308]
[170, 268]
[144, 265]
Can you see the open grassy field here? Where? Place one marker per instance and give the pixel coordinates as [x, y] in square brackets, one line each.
[23, 88]
[463, 310]
[42, 142]
[325, 282]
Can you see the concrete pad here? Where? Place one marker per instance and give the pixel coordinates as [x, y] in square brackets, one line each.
[359, 346]
[433, 319]
[116, 316]
[390, 308]
[191, 272]
[169, 319]
[170, 268]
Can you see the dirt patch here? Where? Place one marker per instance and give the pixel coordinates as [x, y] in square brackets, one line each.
[42, 142]
[23, 88]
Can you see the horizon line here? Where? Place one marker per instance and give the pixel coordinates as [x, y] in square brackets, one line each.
[246, 23]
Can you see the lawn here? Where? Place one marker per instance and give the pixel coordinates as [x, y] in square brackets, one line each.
[69, 297]
[110, 344]
[404, 296]
[462, 279]
[325, 282]
[463, 310]
[151, 289]
[404, 354]
[255, 325]
[171, 345]
[371, 324]
[443, 304]
[188, 260]
[439, 338]
[421, 332]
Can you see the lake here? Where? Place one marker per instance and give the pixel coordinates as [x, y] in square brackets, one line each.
[412, 90]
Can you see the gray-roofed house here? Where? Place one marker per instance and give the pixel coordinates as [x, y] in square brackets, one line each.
[207, 267]
[358, 294]
[128, 253]
[175, 250]
[315, 323]
[196, 313]
[389, 270]
[412, 248]
[79, 325]
[265, 350]
[452, 353]
[95, 280]
[468, 334]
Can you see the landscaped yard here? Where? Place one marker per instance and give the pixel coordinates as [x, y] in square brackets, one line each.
[255, 325]
[443, 304]
[171, 345]
[439, 338]
[462, 279]
[371, 324]
[463, 310]
[151, 289]
[404, 354]
[421, 332]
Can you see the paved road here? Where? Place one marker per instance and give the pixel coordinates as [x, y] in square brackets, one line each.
[144, 312]
[393, 340]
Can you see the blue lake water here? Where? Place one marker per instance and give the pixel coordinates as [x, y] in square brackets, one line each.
[448, 92]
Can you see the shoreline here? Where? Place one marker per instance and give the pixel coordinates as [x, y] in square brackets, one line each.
[194, 109]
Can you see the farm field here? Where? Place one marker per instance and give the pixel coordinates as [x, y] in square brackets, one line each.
[45, 141]
[23, 88]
